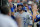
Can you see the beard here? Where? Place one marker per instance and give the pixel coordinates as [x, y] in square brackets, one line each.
[19, 10]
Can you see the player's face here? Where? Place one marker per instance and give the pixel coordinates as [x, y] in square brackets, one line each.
[19, 7]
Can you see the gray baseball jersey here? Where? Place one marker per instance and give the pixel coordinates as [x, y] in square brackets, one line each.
[25, 17]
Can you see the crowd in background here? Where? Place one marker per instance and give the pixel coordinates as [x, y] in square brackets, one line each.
[21, 14]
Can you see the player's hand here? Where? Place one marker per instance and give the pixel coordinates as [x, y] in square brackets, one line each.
[11, 5]
[35, 6]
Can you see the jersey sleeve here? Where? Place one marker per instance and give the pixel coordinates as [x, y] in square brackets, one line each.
[29, 19]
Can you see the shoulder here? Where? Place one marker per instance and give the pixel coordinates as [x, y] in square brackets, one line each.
[8, 21]
[28, 13]
[16, 13]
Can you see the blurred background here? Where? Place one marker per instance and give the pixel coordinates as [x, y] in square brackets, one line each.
[18, 1]
[26, 3]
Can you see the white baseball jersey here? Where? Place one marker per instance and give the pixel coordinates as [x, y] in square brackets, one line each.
[25, 16]
[7, 21]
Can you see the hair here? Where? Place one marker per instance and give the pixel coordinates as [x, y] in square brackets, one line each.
[19, 5]
[4, 10]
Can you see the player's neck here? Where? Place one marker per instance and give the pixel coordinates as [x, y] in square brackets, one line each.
[21, 12]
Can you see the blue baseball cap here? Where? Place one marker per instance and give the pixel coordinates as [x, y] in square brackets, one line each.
[19, 4]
